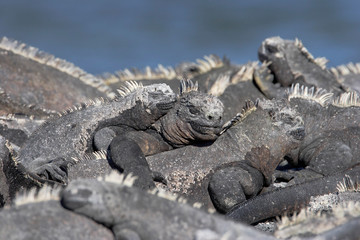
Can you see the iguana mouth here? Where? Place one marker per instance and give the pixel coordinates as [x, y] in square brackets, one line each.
[206, 130]
[165, 106]
[75, 201]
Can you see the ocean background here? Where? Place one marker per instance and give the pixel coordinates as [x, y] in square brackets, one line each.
[106, 36]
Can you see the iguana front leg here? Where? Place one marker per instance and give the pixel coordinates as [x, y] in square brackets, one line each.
[128, 155]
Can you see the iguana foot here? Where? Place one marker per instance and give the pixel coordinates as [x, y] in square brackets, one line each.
[55, 169]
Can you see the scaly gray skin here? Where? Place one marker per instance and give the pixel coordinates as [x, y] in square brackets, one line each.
[130, 213]
[17, 128]
[48, 220]
[331, 133]
[196, 118]
[288, 199]
[329, 147]
[291, 63]
[331, 213]
[32, 78]
[258, 150]
[53, 146]
[13, 176]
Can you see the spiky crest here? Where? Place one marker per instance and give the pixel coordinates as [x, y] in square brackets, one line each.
[246, 72]
[167, 195]
[129, 87]
[57, 63]
[34, 195]
[340, 214]
[148, 73]
[343, 70]
[348, 99]
[249, 107]
[321, 62]
[80, 106]
[117, 178]
[97, 155]
[319, 95]
[186, 85]
[220, 84]
[208, 63]
[348, 185]
[123, 91]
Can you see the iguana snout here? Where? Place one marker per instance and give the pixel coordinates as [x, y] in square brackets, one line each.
[87, 197]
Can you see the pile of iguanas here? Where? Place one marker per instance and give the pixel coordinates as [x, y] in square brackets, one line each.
[250, 142]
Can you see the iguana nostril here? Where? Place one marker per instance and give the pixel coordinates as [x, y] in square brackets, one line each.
[209, 117]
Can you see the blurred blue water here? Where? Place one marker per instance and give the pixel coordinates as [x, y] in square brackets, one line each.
[110, 35]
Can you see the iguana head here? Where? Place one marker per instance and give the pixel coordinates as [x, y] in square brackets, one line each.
[285, 118]
[289, 59]
[158, 98]
[279, 52]
[88, 198]
[195, 117]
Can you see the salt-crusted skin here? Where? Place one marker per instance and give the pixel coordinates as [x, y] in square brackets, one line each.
[130, 212]
[57, 142]
[291, 63]
[35, 79]
[259, 150]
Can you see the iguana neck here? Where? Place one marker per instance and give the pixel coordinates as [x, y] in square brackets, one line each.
[175, 131]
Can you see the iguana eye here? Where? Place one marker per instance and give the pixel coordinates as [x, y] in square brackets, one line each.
[193, 110]
[271, 48]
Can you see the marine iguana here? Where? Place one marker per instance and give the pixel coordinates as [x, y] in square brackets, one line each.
[30, 77]
[258, 150]
[41, 216]
[329, 147]
[196, 118]
[130, 212]
[53, 146]
[292, 63]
